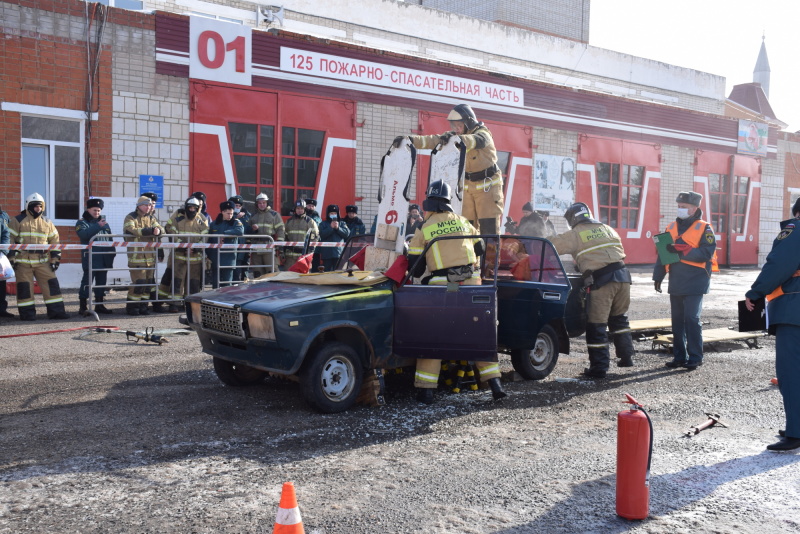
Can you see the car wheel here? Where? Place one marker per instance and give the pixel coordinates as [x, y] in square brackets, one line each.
[537, 363]
[236, 374]
[331, 380]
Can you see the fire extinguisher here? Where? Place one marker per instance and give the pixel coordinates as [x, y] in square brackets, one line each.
[634, 453]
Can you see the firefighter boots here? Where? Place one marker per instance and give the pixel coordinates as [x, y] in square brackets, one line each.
[100, 308]
[83, 310]
[497, 389]
[425, 395]
[132, 308]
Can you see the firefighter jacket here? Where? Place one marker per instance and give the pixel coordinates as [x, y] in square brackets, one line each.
[88, 227]
[141, 227]
[691, 275]
[329, 234]
[230, 230]
[181, 224]
[594, 245]
[779, 279]
[296, 228]
[444, 253]
[481, 159]
[269, 223]
[25, 229]
[356, 226]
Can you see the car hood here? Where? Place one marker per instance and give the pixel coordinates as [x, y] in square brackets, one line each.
[276, 295]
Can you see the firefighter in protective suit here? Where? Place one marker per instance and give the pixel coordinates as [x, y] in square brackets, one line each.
[483, 180]
[297, 227]
[31, 227]
[598, 253]
[142, 226]
[449, 260]
[267, 222]
[186, 221]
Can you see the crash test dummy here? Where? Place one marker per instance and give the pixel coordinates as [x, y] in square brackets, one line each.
[449, 260]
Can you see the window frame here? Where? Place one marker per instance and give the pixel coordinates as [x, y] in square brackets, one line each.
[276, 188]
[623, 210]
[49, 194]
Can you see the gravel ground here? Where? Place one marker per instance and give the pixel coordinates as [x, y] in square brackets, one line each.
[99, 434]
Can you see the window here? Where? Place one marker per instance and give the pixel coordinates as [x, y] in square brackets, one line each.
[721, 212]
[133, 5]
[619, 191]
[52, 165]
[254, 161]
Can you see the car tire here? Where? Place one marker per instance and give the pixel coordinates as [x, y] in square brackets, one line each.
[539, 362]
[331, 379]
[237, 375]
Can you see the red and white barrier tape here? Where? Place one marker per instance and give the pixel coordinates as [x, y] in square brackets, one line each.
[101, 244]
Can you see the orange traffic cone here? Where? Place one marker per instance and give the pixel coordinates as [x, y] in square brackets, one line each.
[288, 520]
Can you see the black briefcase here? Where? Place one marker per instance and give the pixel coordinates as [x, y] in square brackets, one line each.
[752, 321]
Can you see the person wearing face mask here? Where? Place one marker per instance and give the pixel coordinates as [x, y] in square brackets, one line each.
[483, 180]
[779, 283]
[689, 279]
[332, 230]
[189, 220]
[224, 260]
[243, 256]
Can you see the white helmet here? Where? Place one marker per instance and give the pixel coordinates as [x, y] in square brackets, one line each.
[262, 196]
[191, 201]
[35, 197]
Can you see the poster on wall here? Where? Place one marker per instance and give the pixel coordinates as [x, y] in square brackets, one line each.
[752, 138]
[553, 183]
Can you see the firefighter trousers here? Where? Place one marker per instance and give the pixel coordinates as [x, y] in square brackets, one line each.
[140, 279]
[261, 263]
[483, 203]
[427, 375]
[48, 283]
[175, 287]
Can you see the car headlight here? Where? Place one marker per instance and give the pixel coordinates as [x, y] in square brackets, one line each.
[195, 317]
[261, 326]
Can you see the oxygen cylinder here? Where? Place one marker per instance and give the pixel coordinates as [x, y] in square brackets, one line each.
[634, 452]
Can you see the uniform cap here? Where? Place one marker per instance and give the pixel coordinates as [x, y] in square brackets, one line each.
[351, 209]
[227, 205]
[95, 203]
[796, 207]
[152, 196]
[527, 207]
[689, 197]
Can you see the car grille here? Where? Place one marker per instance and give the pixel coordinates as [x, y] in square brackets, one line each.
[221, 319]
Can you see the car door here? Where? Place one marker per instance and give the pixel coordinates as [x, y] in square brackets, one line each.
[532, 289]
[455, 322]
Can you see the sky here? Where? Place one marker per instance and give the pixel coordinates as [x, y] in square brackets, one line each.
[720, 37]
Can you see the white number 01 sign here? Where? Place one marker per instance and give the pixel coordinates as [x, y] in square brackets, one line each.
[220, 51]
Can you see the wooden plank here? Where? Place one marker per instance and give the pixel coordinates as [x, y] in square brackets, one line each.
[717, 335]
[651, 324]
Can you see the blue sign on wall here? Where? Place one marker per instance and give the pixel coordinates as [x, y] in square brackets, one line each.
[149, 183]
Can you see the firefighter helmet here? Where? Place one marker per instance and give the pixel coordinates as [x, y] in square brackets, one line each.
[578, 213]
[262, 196]
[191, 201]
[462, 112]
[440, 190]
[300, 203]
[34, 198]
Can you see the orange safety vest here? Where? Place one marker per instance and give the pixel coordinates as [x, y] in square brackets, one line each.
[779, 290]
[692, 237]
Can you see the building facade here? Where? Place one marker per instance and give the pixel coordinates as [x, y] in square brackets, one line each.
[235, 98]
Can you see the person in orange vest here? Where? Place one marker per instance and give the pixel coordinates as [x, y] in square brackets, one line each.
[779, 283]
[689, 279]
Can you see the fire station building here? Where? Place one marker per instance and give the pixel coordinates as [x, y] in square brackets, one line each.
[234, 97]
